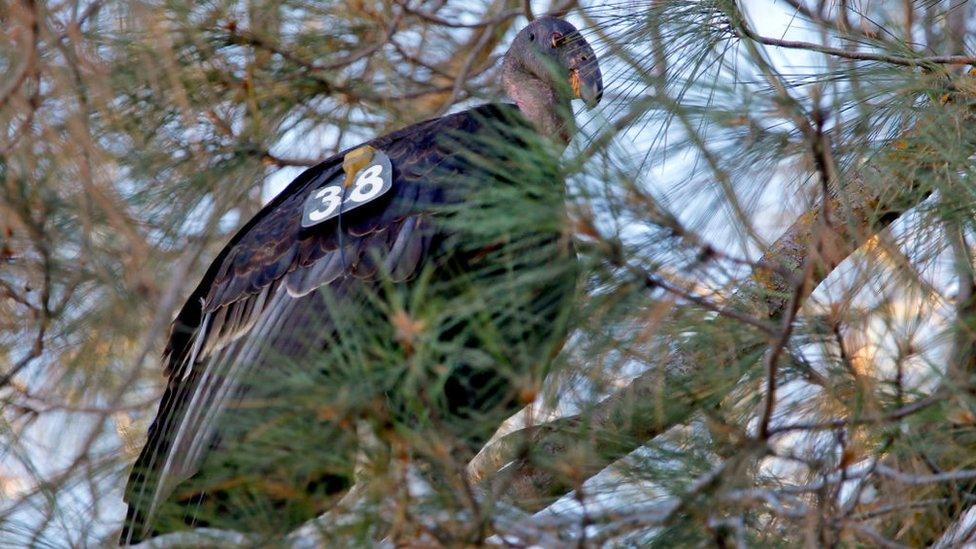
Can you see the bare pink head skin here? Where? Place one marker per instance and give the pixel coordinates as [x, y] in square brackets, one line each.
[547, 66]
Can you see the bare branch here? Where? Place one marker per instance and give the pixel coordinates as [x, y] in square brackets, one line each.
[920, 61]
[621, 422]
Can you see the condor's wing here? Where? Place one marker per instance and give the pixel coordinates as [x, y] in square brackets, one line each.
[261, 284]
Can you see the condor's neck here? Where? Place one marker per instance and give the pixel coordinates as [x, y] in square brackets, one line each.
[539, 103]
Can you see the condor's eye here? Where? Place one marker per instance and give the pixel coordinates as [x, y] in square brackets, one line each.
[556, 39]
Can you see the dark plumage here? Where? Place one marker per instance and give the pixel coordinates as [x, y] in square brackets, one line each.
[271, 307]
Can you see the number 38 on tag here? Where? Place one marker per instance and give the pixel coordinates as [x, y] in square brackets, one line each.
[333, 199]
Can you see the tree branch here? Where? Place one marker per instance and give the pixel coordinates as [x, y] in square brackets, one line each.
[859, 55]
[517, 465]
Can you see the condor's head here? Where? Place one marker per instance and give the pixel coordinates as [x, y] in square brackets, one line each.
[547, 66]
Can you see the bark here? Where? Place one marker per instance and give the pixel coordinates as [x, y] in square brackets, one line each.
[519, 466]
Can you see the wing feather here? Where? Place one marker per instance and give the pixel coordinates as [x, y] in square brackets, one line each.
[259, 286]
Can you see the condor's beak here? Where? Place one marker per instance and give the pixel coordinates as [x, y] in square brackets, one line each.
[587, 83]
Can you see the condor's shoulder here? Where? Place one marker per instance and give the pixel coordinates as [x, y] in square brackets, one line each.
[274, 249]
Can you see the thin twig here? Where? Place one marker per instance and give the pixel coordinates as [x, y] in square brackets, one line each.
[28, 67]
[440, 21]
[920, 61]
[894, 415]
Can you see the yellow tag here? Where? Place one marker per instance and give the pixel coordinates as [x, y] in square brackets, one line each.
[354, 161]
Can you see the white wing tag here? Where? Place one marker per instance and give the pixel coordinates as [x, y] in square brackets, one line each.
[369, 183]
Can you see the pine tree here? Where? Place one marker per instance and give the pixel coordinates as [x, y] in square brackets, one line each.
[773, 337]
